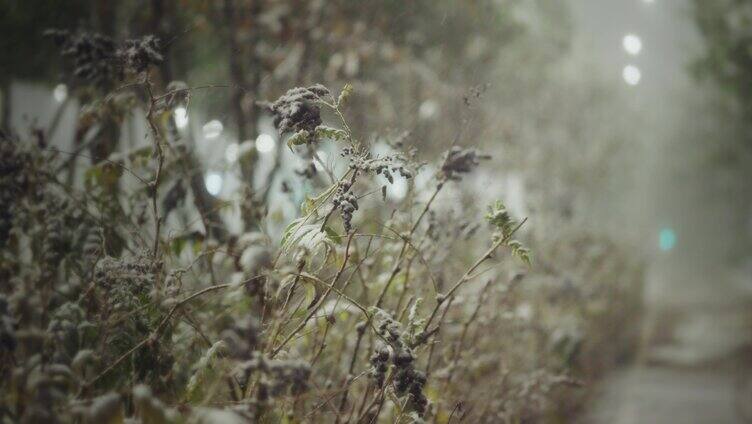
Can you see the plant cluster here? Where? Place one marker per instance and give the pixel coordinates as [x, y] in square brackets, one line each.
[97, 58]
[122, 300]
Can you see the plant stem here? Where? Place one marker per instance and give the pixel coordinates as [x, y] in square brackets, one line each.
[466, 276]
[318, 305]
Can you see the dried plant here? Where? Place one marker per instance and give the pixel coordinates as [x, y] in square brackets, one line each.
[108, 313]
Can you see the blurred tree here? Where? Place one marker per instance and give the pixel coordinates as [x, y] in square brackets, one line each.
[726, 26]
[20, 23]
[413, 63]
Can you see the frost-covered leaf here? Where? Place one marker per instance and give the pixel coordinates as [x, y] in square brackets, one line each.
[522, 253]
[150, 409]
[414, 322]
[213, 415]
[310, 203]
[336, 134]
[313, 236]
[298, 139]
[105, 409]
[344, 94]
[205, 375]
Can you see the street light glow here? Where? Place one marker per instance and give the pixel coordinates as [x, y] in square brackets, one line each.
[631, 75]
[632, 44]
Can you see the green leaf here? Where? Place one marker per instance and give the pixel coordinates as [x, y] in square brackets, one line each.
[105, 175]
[309, 236]
[332, 235]
[181, 241]
[139, 153]
[520, 252]
[299, 138]
[322, 131]
[313, 292]
[290, 231]
[310, 204]
[177, 246]
[344, 94]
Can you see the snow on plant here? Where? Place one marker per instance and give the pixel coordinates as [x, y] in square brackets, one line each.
[109, 311]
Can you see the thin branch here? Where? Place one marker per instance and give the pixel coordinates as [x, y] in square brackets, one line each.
[466, 276]
[313, 311]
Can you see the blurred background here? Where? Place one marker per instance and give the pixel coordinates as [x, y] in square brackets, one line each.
[627, 120]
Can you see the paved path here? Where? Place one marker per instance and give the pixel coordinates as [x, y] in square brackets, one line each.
[663, 394]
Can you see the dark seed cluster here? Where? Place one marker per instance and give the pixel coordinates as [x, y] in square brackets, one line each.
[279, 377]
[136, 275]
[93, 55]
[461, 161]
[407, 380]
[140, 53]
[288, 377]
[386, 166]
[379, 365]
[346, 202]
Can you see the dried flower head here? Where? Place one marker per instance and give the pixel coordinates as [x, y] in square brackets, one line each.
[461, 161]
[386, 166]
[346, 202]
[297, 110]
[140, 53]
[94, 55]
[408, 381]
[379, 364]
[99, 59]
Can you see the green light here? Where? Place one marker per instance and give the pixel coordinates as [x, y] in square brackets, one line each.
[666, 239]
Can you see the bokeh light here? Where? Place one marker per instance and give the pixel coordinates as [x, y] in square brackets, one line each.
[213, 182]
[632, 44]
[398, 190]
[666, 239]
[213, 129]
[181, 117]
[60, 93]
[265, 143]
[428, 109]
[231, 152]
[631, 75]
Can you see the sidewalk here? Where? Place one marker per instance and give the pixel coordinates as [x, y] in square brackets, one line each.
[664, 394]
